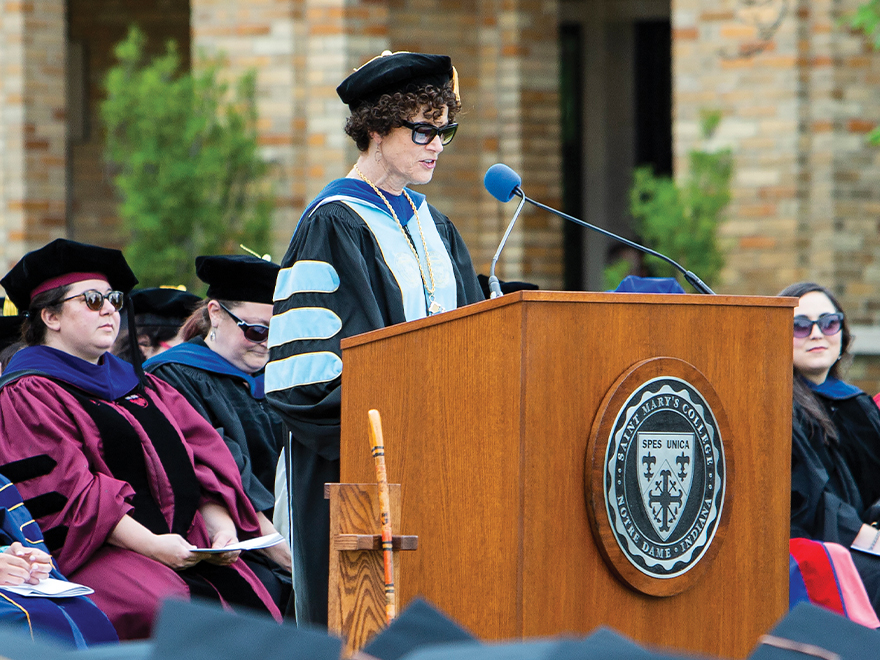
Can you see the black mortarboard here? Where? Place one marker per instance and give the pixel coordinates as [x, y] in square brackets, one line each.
[164, 303]
[811, 626]
[394, 72]
[418, 625]
[238, 277]
[51, 265]
[202, 631]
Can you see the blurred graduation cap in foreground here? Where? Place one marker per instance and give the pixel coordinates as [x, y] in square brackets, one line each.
[810, 632]
[200, 631]
[418, 626]
[603, 644]
[17, 646]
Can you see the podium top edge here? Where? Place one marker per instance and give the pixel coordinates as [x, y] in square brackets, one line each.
[577, 297]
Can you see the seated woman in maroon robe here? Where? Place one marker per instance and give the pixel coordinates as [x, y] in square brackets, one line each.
[124, 477]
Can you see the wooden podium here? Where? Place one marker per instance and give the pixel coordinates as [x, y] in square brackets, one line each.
[488, 412]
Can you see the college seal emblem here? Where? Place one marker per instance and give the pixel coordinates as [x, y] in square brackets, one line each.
[663, 472]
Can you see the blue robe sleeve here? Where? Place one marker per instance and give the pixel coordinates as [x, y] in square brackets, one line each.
[333, 284]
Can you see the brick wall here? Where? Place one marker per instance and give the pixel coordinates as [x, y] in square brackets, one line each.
[260, 35]
[805, 198]
[32, 125]
[304, 48]
[805, 194]
[301, 49]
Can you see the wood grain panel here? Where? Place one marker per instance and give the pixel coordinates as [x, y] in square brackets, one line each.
[357, 579]
[487, 412]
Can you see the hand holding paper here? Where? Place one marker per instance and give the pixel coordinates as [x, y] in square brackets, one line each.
[251, 544]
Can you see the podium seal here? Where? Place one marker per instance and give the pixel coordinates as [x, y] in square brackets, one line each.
[661, 468]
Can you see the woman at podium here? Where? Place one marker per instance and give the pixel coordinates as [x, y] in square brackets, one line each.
[835, 438]
[368, 252]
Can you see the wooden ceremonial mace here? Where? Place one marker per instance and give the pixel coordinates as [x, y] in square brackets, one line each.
[377, 447]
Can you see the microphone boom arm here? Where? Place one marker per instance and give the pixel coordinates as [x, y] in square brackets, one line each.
[692, 279]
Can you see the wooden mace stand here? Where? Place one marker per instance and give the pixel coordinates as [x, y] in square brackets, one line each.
[356, 603]
[490, 412]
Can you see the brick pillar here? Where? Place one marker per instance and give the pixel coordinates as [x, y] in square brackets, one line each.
[301, 50]
[508, 67]
[839, 235]
[261, 35]
[341, 36]
[32, 126]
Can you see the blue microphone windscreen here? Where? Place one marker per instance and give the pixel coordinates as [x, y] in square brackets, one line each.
[501, 181]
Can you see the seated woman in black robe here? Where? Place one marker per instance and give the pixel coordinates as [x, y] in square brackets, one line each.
[835, 438]
[219, 369]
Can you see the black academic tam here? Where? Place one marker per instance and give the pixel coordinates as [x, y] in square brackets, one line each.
[394, 72]
[61, 257]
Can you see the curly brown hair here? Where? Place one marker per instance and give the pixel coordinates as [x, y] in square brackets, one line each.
[390, 110]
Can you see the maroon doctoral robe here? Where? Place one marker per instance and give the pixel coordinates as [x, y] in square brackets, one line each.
[49, 439]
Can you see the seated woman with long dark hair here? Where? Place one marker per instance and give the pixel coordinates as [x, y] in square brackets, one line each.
[124, 477]
[835, 438]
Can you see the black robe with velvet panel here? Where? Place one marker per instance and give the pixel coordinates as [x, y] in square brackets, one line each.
[250, 428]
[368, 297]
[832, 483]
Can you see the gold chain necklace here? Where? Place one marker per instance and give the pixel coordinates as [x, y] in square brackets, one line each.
[435, 306]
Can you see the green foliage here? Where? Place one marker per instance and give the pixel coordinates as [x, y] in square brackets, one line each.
[188, 171]
[681, 220]
[867, 20]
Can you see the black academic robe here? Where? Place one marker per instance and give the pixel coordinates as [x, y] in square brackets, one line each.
[830, 480]
[367, 297]
[252, 431]
[249, 426]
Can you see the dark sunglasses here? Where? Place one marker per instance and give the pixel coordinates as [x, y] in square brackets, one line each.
[255, 332]
[829, 324]
[95, 299]
[425, 133]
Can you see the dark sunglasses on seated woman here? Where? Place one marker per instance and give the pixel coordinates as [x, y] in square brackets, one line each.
[255, 332]
[424, 133]
[95, 299]
[829, 324]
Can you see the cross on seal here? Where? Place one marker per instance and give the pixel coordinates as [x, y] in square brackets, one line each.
[665, 499]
